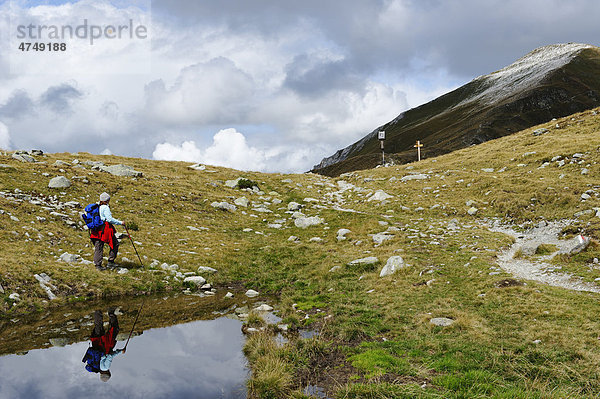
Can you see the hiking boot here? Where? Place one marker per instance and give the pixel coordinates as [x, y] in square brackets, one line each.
[101, 268]
[111, 311]
[112, 265]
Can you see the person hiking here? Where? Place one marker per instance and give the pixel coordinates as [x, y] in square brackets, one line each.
[105, 234]
[100, 354]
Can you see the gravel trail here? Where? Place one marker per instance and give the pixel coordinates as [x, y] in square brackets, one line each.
[539, 270]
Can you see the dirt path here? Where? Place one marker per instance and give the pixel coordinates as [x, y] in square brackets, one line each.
[539, 269]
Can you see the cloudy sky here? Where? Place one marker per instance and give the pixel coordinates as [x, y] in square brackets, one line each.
[269, 85]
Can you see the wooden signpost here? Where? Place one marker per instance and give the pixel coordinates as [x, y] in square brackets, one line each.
[381, 137]
[418, 147]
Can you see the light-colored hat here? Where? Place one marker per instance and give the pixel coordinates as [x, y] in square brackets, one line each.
[104, 197]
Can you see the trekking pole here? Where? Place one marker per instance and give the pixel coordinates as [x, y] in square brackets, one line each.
[134, 323]
[136, 252]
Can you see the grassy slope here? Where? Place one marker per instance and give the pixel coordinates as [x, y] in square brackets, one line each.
[378, 341]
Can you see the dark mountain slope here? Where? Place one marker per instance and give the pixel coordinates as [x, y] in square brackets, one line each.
[550, 82]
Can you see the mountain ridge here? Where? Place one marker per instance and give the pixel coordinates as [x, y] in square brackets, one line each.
[551, 81]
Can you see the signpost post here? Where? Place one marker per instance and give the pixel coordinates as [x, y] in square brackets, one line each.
[381, 137]
[418, 147]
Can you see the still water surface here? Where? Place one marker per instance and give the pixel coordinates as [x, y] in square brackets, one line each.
[198, 359]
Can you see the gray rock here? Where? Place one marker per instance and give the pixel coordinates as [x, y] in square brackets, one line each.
[441, 321]
[243, 201]
[59, 182]
[294, 206]
[539, 132]
[334, 269]
[585, 197]
[341, 234]
[59, 341]
[197, 166]
[121, 170]
[229, 295]
[23, 157]
[472, 211]
[488, 170]
[304, 222]
[415, 177]
[206, 269]
[380, 238]
[71, 258]
[61, 163]
[263, 308]
[251, 293]
[199, 281]
[233, 183]
[5, 166]
[370, 260]
[580, 243]
[224, 206]
[380, 195]
[393, 264]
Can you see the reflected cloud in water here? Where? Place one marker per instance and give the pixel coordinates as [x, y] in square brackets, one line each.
[202, 359]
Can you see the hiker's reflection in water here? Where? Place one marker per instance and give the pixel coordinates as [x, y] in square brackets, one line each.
[101, 353]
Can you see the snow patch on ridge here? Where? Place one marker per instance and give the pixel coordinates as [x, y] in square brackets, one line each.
[525, 72]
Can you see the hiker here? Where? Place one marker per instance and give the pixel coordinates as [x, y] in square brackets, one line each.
[105, 234]
[100, 354]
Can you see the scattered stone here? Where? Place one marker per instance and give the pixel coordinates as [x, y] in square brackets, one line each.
[341, 234]
[61, 163]
[334, 269]
[197, 166]
[537, 341]
[251, 293]
[414, 177]
[585, 171]
[199, 281]
[264, 308]
[121, 170]
[316, 239]
[380, 238]
[294, 206]
[580, 243]
[5, 166]
[304, 222]
[585, 197]
[370, 260]
[206, 269]
[380, 195]
[488, 170]
[59, 341]
[23, 157]
[243, 202]
[224, 206]
[15, 297]
[293, 239]
[441, 321]
[71, 258]
[539, 132]
[393, 264]
[59, 182]
[472, 211]
[233, 183]
[229, 295]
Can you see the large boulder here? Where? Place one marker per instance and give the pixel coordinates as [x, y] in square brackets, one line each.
[59, 182]
[197, 280]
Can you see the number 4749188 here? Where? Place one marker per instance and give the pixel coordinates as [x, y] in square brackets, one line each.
[42, 46]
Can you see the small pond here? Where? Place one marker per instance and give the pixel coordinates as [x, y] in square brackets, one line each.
[182, 347]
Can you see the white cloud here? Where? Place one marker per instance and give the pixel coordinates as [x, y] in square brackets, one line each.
[4, 137]
[231, 149]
